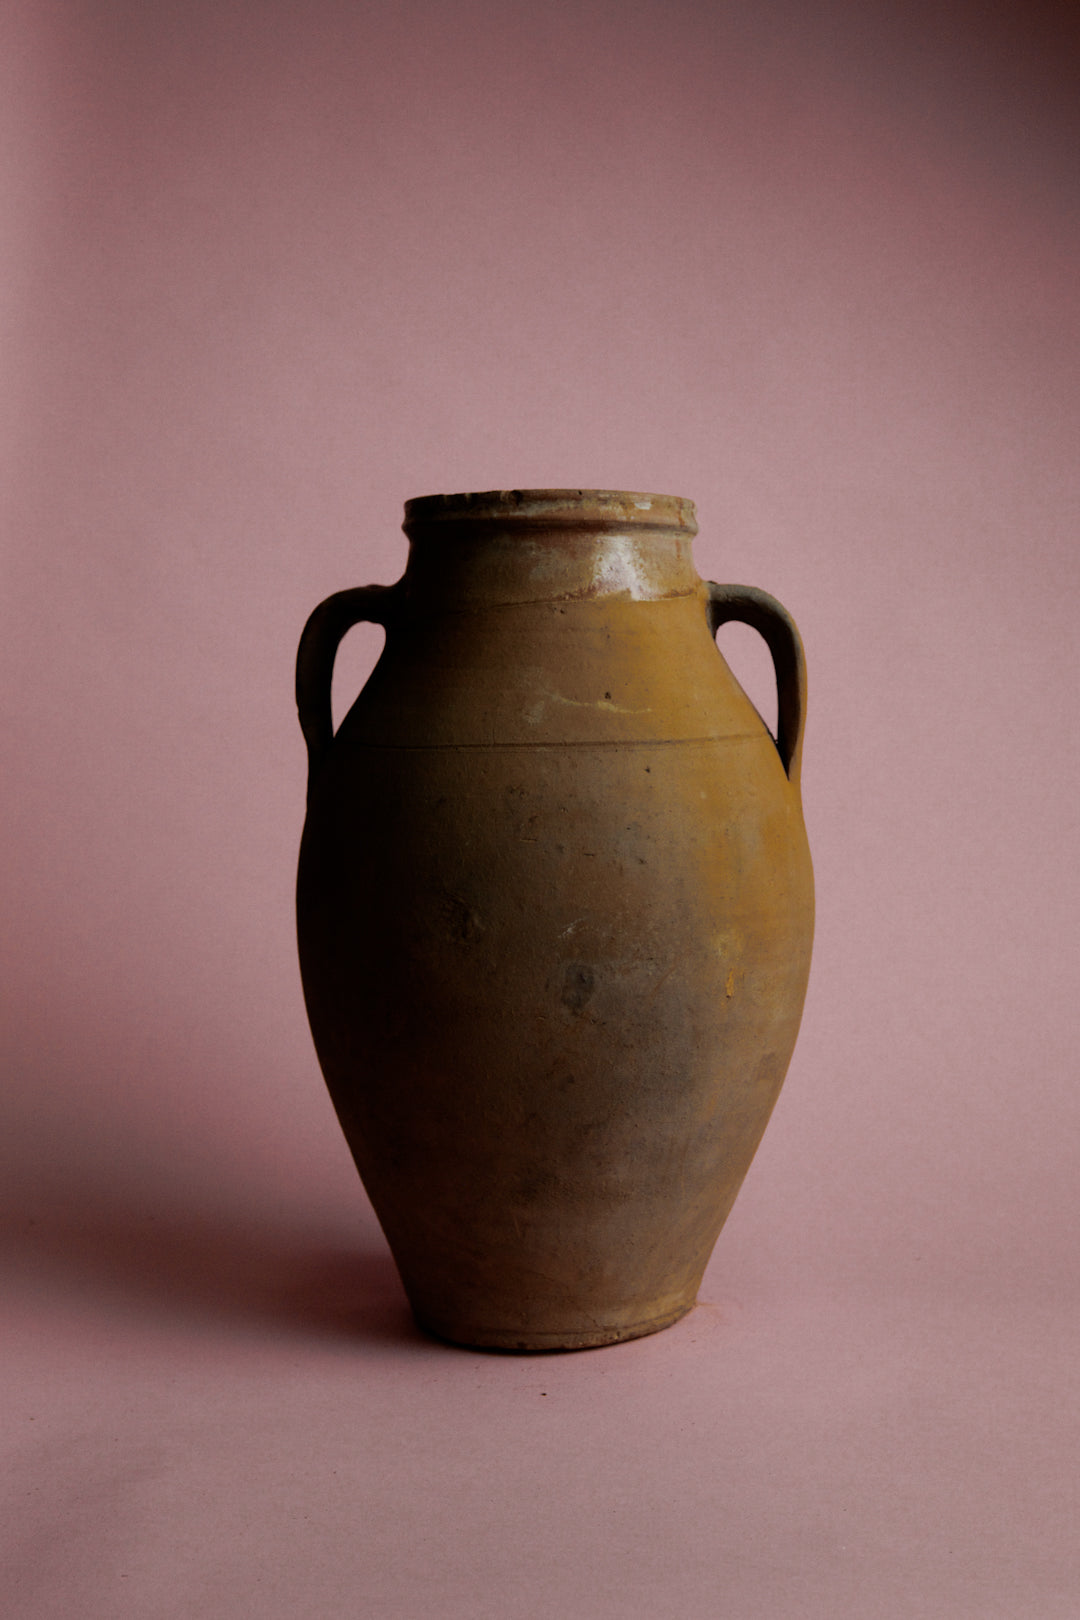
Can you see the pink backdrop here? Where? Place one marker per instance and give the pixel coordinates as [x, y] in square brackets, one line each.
[269, 269]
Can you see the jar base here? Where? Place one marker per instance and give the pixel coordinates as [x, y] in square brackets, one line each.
[526, 1341]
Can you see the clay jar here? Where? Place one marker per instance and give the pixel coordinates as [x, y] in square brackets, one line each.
[555, 910]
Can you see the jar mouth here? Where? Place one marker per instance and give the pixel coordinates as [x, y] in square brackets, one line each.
[553, 508]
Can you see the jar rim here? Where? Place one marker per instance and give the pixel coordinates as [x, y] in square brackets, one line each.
[553, 508]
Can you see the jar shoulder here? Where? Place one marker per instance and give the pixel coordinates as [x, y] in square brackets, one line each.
[613, 670]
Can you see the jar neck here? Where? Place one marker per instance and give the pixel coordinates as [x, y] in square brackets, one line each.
[549, 546]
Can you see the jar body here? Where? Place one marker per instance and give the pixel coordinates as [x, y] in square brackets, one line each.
[555, 912]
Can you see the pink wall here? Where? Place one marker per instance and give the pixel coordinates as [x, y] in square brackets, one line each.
[271, 269]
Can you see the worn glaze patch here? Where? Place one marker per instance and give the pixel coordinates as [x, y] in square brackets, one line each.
[618, 569]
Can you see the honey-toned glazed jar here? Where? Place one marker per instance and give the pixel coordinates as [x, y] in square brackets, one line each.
[555, 910]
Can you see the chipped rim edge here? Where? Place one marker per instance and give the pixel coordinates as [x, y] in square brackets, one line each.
[553, 508]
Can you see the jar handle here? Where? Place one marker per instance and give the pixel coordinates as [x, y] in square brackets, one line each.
[774, 623]
[315, 661]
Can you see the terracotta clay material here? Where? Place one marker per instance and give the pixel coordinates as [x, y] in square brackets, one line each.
[555, 910]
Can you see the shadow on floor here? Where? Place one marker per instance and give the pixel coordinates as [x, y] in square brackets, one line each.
[121, 1248]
